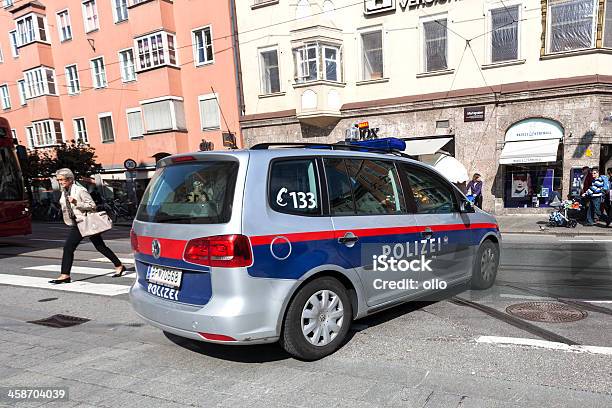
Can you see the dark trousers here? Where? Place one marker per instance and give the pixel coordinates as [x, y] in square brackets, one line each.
[478, 201]
[608, 208]
[73, 241]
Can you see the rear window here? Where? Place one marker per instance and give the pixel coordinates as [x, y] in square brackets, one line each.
[191, 193]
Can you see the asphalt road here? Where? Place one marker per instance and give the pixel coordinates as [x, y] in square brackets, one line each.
[462, 351]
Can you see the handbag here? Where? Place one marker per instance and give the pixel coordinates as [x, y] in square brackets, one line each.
[94, 223]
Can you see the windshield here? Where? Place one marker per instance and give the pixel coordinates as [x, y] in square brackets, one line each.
[191, 193]
[11, 183]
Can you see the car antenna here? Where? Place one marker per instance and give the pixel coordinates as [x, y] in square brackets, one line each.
[223, 116]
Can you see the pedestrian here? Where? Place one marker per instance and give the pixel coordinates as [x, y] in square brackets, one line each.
[474, 187]
[586, 179]
[594, 195]
[608, 197]
[76, 202]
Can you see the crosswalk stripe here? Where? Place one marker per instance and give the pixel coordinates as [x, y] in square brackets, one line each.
[123, 260]
[75, 269]
[104, 289]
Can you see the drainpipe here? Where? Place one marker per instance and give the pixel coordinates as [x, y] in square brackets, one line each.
[235, 46]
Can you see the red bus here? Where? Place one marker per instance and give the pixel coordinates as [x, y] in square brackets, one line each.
[15, 216]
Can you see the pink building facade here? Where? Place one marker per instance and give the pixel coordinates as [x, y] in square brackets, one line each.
[135, 79]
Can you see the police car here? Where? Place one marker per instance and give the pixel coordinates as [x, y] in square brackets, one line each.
[292, 243]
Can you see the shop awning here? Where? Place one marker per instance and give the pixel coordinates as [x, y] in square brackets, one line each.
[418, 147]
[450, 167]
[530, 151]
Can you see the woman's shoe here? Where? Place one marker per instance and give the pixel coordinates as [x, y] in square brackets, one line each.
[120, 273]
[58, 281]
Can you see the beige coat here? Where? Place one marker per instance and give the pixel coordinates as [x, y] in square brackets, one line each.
[83, 205]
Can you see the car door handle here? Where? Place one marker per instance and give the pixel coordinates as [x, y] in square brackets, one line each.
[349, 239]
[427, 233]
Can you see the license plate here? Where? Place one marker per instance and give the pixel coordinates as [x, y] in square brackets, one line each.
[164, 276]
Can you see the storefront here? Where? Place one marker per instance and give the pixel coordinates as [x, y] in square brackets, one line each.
[532, 163]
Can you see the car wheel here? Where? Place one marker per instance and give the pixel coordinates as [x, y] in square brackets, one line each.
[485, 266]
[317, 320]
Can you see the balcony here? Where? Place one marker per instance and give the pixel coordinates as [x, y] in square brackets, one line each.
[44, 107]
[318, 102]
[151, 15]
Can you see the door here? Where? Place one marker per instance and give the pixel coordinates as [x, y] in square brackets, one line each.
[445, 227]
[369, 218]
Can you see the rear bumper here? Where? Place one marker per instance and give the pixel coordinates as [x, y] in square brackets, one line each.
[243, 308]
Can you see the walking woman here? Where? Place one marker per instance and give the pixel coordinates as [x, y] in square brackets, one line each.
[75, 202]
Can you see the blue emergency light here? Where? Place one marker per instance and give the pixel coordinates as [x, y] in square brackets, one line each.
[387, 144]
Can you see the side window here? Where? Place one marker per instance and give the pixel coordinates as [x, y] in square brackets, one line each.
[294, 187]
[432, 195]
[376, 187]
[339, 187]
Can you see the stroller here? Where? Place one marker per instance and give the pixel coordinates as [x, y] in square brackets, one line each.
[564, 214]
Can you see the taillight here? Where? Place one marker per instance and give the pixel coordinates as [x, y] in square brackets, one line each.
[134, 240]
[225, 251]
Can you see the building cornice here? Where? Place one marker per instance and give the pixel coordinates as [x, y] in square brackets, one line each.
[497, 94]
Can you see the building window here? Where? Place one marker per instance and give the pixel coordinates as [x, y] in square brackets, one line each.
[40, 81]
[155, 50]
[209, 112]
[163, 115]
[14, 44]
[31, 28]
[106, 127]
[120, 10]
[7, 3]
[202, 46]
[128, 69]
[72, 79]
[4, 97]
[80, 130]
[435, 45]
[63, 25]
[30, 136]
[330, 62]
[307, 63]
[372, 55]
[22, 91]
[98, 72]
[607, 42]
[47, 133]
[90, 16]
[134, 121]
[310, 57]
[571, 24]
[270, 75]
[504, 34]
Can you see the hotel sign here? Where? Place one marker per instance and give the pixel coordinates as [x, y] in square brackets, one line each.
[383, 6]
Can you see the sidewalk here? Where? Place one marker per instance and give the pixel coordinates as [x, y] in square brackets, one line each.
[536, 224]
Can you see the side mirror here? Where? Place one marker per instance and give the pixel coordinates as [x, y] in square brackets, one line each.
[467, 206]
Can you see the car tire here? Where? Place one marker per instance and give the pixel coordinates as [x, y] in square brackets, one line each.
[485, 266]
[313, 329]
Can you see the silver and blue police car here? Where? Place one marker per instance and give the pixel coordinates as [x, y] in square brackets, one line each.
[292, 244]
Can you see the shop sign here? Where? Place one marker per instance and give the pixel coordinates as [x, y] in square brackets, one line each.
[383, 6]
[534, 129]
[474, 114]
